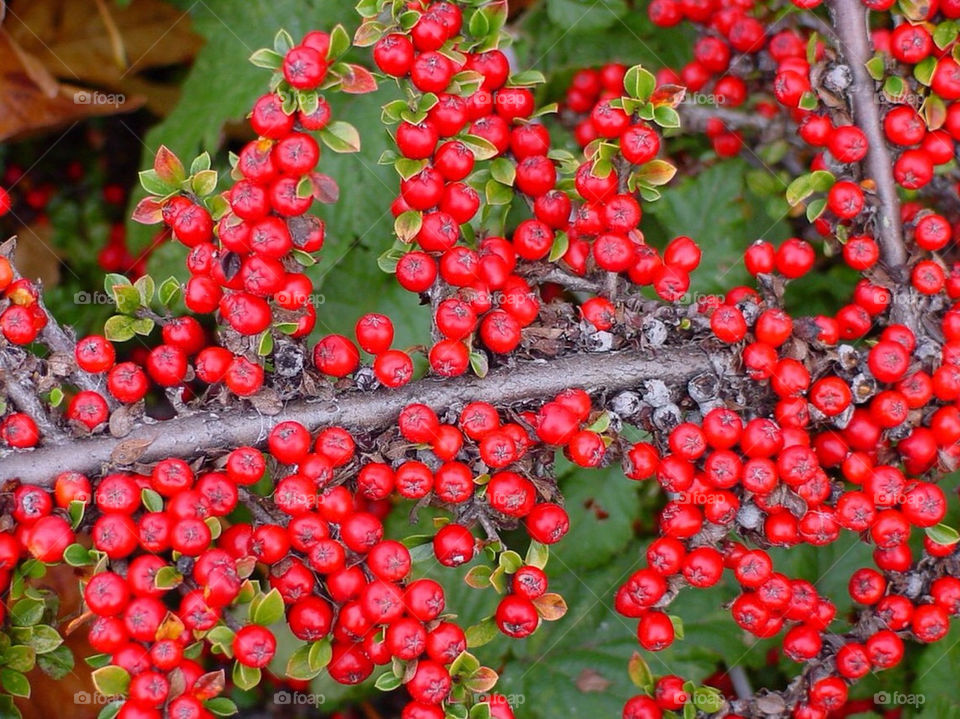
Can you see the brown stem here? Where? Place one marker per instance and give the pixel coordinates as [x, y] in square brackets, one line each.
[212, 432]
[850, 18]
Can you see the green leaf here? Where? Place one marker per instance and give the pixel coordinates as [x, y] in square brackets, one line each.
[167, 578]
[26, 612]
[298, 666]
[119, 328]
[479, 363]
[169, 292]
[14, 682]
[268, 610]
[110, 710]
[666, 117]
[145, 287]
[152, 183]
[200, 163]
[875, 67]
[142, 326]
[677, 625]
[265, 345]
[245, 677]
[923, 70]
[483, 633]
[56, 397]
[479, 576]
[538, 554]
[266, 58]
[111, 680]
[151, 500]
[282, 42]
[639, 672]
[221, 706]
[526, 78]
[97, 660]
[56, 664]
[76, 555]
[510, 561]
[480, 711]
[815, 208]
[221, 637]
[655, 172]
[503, 171]
[339, 43]
[497, 193]
[341, 136]
[407, 225]
[321, 652]
[44, 639]
[204, 183]
[708, 700]
[639, 83]
[561, 243]
[20, 658]
[943, 534]
[127, 299]
[481, 147]
[478, 26]
[387, 682]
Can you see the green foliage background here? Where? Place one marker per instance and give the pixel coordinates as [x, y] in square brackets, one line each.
[576, 667]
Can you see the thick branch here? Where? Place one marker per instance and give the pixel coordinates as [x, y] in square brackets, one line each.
[210, 432]
[850, 19]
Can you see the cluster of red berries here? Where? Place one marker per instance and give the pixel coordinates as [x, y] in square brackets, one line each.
[371, 611]
[23, 317]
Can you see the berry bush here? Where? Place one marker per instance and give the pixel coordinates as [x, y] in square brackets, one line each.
[252, 500]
